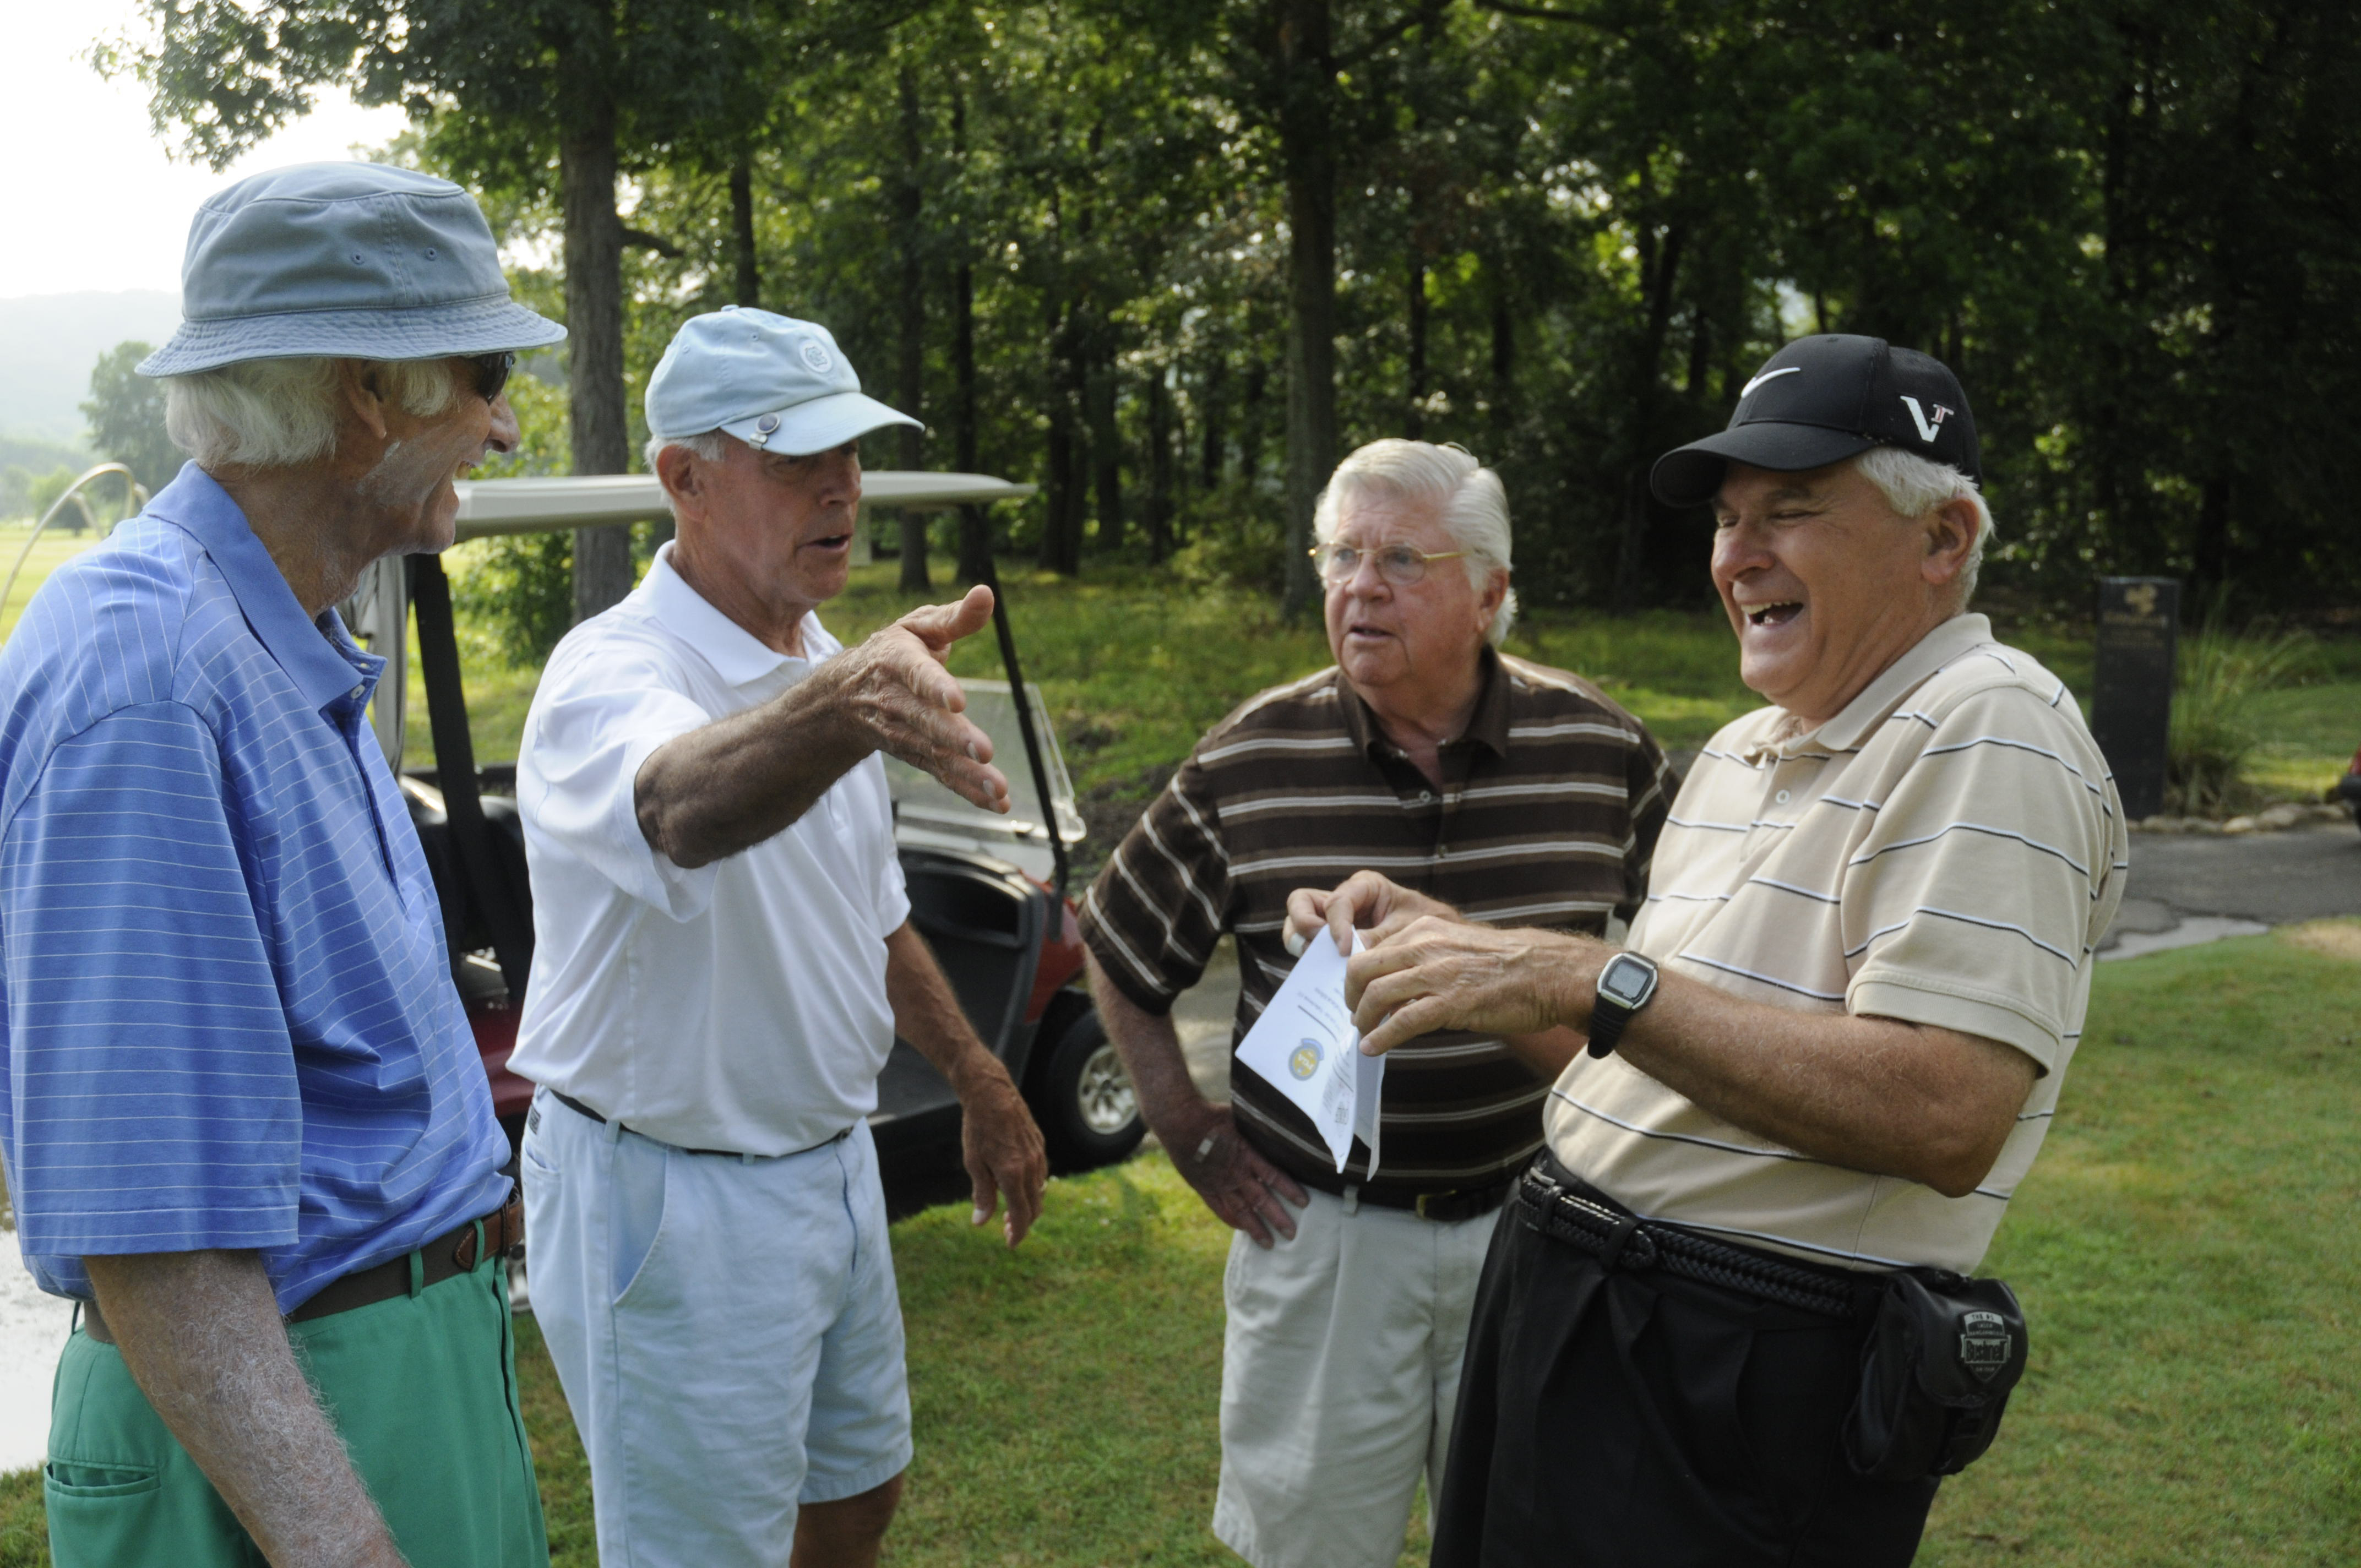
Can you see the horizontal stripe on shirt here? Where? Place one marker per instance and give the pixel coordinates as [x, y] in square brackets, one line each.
[1547, 815]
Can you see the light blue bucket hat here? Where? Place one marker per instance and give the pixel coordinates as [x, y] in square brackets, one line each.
[775, 383]
[351, 260]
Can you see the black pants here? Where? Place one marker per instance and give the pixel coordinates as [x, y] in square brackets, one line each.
[1622, 1418]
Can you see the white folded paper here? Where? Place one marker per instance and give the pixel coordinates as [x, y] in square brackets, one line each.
[1305, 1045]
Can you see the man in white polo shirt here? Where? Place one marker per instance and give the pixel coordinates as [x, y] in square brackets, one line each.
[722, 958]
[1829, 1051]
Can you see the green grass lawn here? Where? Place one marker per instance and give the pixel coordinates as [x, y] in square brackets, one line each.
[2183, 1250]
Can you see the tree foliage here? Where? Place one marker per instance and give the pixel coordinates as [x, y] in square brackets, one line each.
[1104, 245]
[127, 417]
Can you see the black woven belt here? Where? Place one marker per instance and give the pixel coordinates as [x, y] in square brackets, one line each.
[1621, 1239]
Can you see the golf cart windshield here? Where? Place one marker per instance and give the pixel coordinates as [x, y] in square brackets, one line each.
[927, 813]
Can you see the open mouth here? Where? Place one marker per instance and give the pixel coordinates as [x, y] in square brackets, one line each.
[831, 541]
[1777, 613]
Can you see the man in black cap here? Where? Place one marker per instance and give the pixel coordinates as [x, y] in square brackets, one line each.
[1831, 1044]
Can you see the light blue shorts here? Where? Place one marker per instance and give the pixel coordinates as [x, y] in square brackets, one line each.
[726, 1330]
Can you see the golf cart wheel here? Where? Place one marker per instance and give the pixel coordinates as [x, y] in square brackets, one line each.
[1078, 1090]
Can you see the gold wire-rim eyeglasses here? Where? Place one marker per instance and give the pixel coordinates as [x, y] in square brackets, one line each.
[1401, 574]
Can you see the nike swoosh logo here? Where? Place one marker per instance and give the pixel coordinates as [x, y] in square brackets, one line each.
[1767, 376]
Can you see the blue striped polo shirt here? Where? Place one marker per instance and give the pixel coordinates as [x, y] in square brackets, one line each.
[228, 1013]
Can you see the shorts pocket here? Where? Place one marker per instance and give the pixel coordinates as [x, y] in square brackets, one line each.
[70, 1478]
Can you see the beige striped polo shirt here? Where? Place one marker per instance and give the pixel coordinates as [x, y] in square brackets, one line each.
[1947, 850]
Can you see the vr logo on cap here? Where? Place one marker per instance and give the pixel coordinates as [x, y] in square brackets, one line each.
[1927, 427]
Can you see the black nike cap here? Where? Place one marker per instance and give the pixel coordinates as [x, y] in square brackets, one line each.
[1820, 401]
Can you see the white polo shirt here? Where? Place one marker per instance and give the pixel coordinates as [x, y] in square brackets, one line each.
[741, 1005]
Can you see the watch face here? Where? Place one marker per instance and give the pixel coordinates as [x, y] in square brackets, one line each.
[1625, 980]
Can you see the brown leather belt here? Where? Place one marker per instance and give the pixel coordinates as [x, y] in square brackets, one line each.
[450, 1254]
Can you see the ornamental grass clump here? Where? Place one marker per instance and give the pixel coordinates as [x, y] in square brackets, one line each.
[2213, 734]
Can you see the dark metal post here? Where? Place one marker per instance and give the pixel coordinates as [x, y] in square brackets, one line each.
[2131, 700]
[1025, 717]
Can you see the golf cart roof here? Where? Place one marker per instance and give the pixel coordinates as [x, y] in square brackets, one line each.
[489, 507]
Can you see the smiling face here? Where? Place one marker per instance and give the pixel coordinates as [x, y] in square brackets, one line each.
[1824, 585]
[1408, 649]
[763, 536]
[409, 480]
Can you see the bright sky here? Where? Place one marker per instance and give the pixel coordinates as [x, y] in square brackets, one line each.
[93, 201]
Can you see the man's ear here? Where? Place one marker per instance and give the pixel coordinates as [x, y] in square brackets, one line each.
[683, 479]
[362, 388]
[1496, 588]
[1950, 537]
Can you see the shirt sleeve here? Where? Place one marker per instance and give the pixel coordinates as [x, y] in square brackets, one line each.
[595, 721]
[149, 1069]
[1969, 905]
[1155, 911]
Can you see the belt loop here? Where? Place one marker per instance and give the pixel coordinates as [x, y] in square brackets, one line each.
[417, 1272]
[1617, 1239]
[483, 1251]
[77, 1319]
[1352, 1197]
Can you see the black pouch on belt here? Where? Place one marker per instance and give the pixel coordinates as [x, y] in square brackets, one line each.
[1935, 1375]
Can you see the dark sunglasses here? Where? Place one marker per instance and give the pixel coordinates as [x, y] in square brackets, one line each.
[491, 372]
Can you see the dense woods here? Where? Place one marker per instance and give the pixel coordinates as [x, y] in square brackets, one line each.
[1170, 260]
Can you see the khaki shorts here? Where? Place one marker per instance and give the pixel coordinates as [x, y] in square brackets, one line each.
[1340, 1370]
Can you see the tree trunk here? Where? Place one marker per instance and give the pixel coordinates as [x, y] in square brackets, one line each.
[1159, 468]
[908, 200]
[1660, 267]
[1504, 357]
[593, 319]
[974, 540]
[749, 292]
[1106, 437]
[1250, 422]
[1307, 153]
[1058, 500]
[1209, 427]
[1415, 418]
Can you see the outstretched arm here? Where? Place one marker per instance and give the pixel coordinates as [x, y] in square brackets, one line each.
[202, 1338]
[729, 784]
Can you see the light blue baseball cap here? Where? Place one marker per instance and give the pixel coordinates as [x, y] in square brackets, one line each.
[353, 260]
[775, 383]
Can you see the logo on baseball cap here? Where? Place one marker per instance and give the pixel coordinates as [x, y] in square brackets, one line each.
[1820, 401]
[775, 383]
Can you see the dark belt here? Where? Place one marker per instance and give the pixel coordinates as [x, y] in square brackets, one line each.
[1448, 1206]
[1567, 1209]
[576, 1106]
[450, 1254]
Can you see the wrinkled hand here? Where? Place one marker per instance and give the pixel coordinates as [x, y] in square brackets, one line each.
[1243, 1189]
[1004, 1154]
[908, 705]
[1365, 899]
[1441, 974]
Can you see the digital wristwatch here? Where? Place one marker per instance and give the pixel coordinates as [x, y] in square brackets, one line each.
[1626, 984]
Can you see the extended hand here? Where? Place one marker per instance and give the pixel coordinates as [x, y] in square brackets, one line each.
[908, 705]
[1440, 974]
[1244, 1189]
[1004, 1154]
[1364, 899]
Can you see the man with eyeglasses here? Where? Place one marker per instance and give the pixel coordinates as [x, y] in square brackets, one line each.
[245, 1127]
[1517, 794]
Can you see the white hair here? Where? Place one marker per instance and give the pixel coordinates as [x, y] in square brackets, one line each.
[1467, 497]
[712, 446]
[1915, 486]
[280, 413]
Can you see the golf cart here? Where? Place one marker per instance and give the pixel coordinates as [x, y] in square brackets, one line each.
[987, 891]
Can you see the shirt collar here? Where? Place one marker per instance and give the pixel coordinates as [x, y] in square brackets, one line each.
[1487, 726]
[325, 664]
[1878, 700]
[737, 655]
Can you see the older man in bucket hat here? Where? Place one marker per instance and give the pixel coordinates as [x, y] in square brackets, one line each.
[246, 1127]
[722, 958]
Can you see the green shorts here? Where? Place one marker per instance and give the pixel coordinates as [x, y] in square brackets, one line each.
[423, 1390]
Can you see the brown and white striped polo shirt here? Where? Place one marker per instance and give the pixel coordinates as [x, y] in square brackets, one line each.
[1947, 850]
[1549, 810]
